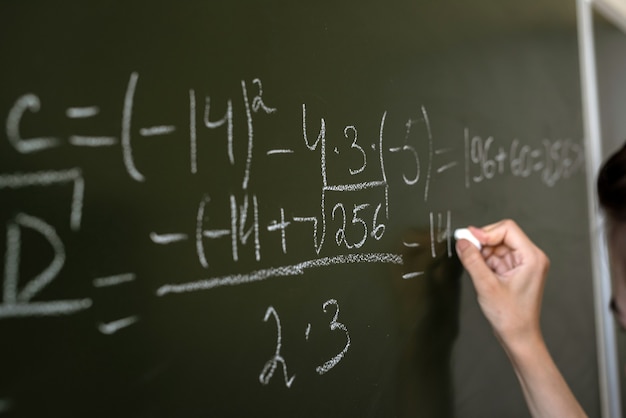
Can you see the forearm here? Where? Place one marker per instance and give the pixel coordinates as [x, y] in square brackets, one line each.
[546, 392]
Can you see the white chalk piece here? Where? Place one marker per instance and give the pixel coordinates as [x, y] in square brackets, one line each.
[464, 233]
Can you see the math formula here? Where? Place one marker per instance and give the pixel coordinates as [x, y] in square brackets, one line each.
[353, 173]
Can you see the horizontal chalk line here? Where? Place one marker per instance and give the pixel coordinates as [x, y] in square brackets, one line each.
[157, 130]
[355, 186]
[39, 178]
[167, 238]
[280, 151]
[412, 275]
[113, 280]
[92, 141]
[82, 112]
[284, 271]
[60, 307]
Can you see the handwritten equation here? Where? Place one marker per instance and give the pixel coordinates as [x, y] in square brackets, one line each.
[343, 227]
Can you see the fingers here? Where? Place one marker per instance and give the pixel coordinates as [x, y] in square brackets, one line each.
[505, 232]
[508, 275]
[500, 265]
[474, 263]
[506, 247]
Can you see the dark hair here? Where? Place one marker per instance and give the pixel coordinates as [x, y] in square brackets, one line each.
[611, 185]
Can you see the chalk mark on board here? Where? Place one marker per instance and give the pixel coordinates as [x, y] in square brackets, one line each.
[157, 130]
[11, 294]
[127, 114]
[228, 119]
[111, 328]
[114, 280]
[282, 226]
[167, 238]
[50, 178]
[270, 366]
[412, 275]
[26, 145]
[410, 244]
[82, 112]
[216, 233]
[430, 152]
[355, 186]
[283, 271]
[280, 151]
[92, 141]
[199, 225]
[59, 307]
[334, 325]
[446, 167]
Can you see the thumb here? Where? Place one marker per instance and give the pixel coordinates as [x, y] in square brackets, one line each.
[474, 263]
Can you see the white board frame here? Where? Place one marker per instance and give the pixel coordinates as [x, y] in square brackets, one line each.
[608, 365]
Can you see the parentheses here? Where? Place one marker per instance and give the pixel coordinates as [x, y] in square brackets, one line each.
[127, 112]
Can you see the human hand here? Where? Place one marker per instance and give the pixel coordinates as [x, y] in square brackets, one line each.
[509, 276]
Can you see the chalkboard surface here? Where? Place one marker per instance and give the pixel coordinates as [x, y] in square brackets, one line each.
[245, 208]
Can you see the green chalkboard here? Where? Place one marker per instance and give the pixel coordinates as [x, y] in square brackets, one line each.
[244, 208]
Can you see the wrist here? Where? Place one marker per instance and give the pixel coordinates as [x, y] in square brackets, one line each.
[524, 347]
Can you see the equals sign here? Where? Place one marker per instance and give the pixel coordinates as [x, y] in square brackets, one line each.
[110, 328]
[413, 274]
[84, 112]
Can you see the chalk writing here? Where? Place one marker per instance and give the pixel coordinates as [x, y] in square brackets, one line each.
[283, 271]
[334, 325]
[111, 328]
[277, 358]
[552, 161]
[113, 280]
[18, 302]
[51, 178]
[237, 229]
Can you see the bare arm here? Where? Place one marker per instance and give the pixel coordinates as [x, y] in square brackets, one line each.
[509, 275]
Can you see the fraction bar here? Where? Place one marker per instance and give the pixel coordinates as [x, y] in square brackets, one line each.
[284, 271]
[355, 186]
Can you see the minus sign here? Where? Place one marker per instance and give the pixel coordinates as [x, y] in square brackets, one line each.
[280, 151]
[113, 280]
[412, 275]
[411, 244]
[446, 167]
[166, 238]
[92, 141]
[157, 130]
[82, 112]
[113, 327]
